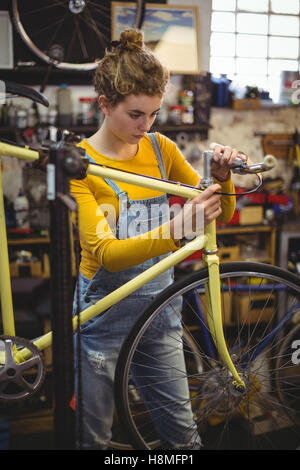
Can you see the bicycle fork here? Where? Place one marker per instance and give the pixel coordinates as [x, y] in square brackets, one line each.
[213, 293]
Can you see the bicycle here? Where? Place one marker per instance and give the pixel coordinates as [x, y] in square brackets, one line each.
[226, 376]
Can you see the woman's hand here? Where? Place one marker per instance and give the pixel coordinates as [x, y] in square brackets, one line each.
[196, 213]
[223, 157]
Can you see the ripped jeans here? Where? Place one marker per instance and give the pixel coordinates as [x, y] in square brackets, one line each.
[101, 340]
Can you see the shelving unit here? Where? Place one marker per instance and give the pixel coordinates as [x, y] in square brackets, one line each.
[268, 233]
[288, 233]
[166, 128]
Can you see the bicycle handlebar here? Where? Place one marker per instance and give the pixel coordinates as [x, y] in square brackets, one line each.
[240, 166]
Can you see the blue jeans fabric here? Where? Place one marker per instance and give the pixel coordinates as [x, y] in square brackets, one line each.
[101, 340]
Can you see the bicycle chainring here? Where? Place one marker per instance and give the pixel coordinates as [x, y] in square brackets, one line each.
[19, 380]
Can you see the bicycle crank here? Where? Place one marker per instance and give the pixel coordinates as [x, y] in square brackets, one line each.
[19, 380]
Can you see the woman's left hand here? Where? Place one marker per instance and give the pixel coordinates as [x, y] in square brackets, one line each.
[223, 158]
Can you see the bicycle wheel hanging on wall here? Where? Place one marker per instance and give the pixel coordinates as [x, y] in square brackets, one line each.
[71, 35]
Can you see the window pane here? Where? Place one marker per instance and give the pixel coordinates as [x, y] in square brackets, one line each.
[281, 25]
[253, 5]
[222, 44]
[250, 23]
[273, 86]
[275, 66]
[229, 5]
[223, 22]
[251, 66]
[284, 47]
[286, 6]
[251, 80]
[251, 46]
[220, 65]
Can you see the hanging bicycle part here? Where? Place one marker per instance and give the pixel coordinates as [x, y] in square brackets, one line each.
[13, 89]
[72, 35]
[139, 14]
[19, 379]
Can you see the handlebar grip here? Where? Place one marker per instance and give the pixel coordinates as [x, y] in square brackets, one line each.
[238, 160]
[269, 161]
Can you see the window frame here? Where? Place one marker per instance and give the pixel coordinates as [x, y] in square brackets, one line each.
[268, 75]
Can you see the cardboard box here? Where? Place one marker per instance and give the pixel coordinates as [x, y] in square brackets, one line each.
[229, 253]
[259, 307]
[26, 269]
[245, 104]
[251, 215]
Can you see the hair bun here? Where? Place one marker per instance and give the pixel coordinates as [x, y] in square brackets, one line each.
[131, 40]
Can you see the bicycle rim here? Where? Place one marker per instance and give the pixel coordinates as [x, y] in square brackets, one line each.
[257, 300]
[70, 35]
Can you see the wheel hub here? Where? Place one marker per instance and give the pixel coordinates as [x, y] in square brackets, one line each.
[218, 393]
[76, 6]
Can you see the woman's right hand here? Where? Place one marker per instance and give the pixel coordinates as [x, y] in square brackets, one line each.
[196, 213]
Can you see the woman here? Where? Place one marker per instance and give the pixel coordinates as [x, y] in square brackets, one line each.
[122, 235]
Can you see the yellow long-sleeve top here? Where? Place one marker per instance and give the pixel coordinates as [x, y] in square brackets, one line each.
[98, 244]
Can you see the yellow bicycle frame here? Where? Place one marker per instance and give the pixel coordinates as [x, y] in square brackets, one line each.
[206, 241]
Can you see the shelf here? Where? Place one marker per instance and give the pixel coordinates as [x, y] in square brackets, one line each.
[181, 128]
[28, 241]
[91, 129]
[237, 229]
[34, 76]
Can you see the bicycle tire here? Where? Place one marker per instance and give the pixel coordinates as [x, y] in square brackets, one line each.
[70, 35]
[218, 408]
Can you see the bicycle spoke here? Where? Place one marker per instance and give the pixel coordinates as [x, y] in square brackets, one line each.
[43, 8]
[81, 40]
[93, 24]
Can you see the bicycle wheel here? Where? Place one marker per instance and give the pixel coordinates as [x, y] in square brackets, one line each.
[72, 35]
[288, 373]
[259, 303]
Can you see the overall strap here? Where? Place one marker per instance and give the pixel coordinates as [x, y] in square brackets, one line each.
[158, 154]
[111, 183]
[124, 202]
[122, 195]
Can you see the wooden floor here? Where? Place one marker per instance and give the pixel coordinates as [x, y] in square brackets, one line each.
[35, 431]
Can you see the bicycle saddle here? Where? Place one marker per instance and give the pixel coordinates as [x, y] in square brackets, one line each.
[12, 88]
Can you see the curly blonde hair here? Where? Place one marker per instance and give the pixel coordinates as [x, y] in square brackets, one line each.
[129, 67]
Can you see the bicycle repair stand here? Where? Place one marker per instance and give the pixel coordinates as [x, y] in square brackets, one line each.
[64, 163]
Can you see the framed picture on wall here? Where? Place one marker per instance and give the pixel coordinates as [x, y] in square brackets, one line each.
[171, 31]
[6, 41]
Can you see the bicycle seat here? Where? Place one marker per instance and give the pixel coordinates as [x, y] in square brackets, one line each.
[15, 89]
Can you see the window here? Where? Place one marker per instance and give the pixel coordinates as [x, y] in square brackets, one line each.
[252, 41]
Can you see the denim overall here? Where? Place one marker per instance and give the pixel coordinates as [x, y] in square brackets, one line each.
[102, 337]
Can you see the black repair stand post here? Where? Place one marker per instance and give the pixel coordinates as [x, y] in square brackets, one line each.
[62, 297]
